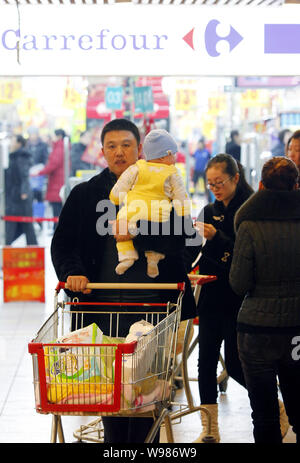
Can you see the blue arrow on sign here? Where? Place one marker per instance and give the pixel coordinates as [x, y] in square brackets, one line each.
[282, 38]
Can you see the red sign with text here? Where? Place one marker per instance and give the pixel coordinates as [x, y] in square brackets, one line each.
[23, 274]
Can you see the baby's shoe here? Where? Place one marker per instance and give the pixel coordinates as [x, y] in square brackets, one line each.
[124, 265]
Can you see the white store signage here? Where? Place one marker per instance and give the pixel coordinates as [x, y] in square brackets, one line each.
[170, 40]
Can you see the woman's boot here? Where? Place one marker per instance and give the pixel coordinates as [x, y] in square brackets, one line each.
[284, 421]
[214, 428]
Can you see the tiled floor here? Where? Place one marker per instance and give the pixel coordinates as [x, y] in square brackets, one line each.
[19, 423]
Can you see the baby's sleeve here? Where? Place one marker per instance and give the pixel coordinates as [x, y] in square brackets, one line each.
[123, 185]
[181, 200]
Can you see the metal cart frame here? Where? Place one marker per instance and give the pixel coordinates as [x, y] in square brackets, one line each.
[161, 408]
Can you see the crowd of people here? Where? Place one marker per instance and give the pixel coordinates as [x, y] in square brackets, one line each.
[249, 240]
[36, 175]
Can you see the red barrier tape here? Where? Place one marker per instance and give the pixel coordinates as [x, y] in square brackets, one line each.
[16, 218]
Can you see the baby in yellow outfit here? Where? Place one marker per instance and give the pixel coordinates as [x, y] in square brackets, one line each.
[148, 189]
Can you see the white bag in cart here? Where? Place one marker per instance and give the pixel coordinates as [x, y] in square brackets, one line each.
[135, 366]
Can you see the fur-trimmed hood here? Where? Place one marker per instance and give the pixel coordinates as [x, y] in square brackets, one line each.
[269, 205]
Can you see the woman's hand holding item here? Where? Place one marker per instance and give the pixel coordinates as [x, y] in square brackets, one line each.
[206, 230]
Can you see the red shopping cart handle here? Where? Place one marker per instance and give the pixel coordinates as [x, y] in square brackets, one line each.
[169, 286]
[202, 279]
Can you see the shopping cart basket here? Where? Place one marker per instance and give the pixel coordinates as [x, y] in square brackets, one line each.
[107, 379]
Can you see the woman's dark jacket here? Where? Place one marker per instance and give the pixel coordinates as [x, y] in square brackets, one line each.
[17, 183]
[217, 298]
[78, 249]
[266, 261]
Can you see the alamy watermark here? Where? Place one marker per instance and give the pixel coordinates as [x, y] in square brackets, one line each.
[296, 350]
[139, 215]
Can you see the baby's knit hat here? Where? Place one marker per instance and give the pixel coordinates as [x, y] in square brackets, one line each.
[157, 144]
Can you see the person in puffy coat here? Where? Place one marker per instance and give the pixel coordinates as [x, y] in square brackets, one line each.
[18, 193]
[265, 271]
[54, 169]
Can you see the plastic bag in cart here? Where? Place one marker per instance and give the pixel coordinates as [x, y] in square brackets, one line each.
[136, 366]
[80, 372]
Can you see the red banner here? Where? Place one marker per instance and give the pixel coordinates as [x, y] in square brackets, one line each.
[23, 274]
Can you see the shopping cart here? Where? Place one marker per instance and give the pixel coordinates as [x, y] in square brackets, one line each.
[93, 431]
[107, 379]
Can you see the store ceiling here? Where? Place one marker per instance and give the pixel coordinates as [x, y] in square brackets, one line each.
[230, 3]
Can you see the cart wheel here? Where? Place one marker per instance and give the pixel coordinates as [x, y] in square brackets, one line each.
[178, 383]
[223, 385]
[209, 440]
[173, 395]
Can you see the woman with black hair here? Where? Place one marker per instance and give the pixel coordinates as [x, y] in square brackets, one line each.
[266, 270]
[218, 305]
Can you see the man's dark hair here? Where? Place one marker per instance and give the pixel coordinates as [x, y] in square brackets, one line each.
[279, 173]
[60, 133]
[121, 124]
[295, 135]
[233, 134]
[20, 139]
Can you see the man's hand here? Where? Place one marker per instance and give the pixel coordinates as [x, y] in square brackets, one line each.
[206, 230]
[24, 196]
[77, 283]
[120, 230]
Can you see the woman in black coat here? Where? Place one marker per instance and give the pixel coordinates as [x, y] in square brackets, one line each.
[266, 270]
[18, 193]
[218, 305]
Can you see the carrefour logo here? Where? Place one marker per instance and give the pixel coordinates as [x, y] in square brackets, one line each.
[212, 38]
[105, 40]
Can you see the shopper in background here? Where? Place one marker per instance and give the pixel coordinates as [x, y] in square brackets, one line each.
[218, 305]
[233, 146]
[37, 148]
[180, 155]
[18, 193]
[280, 148]
[266, 270]
[201, 156]
[77, 151]
[54, 169]
[39, 151]
[82, 251]
[293, 148]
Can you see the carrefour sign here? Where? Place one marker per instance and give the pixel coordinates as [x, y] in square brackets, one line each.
[126, 39]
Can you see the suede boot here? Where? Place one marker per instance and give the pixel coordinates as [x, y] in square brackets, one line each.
[214, 428]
